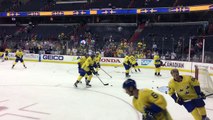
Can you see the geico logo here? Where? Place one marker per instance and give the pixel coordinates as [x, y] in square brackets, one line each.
[110, 60]
[145, 62]
[53, 57]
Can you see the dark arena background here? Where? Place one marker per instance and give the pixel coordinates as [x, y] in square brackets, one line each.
[53, 39]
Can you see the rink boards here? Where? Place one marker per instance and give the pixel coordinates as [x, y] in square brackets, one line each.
[116, 62]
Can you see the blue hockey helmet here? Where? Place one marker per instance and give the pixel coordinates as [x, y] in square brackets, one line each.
[129, 83]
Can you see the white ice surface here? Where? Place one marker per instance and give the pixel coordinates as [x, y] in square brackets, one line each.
[45, 91]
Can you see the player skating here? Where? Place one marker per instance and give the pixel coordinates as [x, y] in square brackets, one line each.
[81, 61]
[185, 90]
[87, 68]
[97, 65]
[19, 57]
[158, 64]
[127, 65]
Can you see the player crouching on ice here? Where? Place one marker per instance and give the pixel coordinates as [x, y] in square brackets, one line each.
[19, 57]
[152, 105]
[86, 69]
[134, 63]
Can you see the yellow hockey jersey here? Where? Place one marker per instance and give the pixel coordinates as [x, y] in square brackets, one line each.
[146, 97]
[185, 88]
[132, 60]
[126, 60]
[98, 58]
[157, 60]
[87, 64]
[19, 54]
[82, 60]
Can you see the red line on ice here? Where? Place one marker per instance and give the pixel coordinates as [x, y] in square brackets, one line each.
[24, 109]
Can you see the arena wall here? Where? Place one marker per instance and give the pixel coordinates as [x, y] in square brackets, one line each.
[116, 62]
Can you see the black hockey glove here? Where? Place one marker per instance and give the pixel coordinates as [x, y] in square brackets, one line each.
[148, 115]
[202, 95]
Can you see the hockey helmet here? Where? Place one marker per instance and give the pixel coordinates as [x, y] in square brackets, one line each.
[129, 83]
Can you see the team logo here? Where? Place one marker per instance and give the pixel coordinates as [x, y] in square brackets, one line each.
[145, 62]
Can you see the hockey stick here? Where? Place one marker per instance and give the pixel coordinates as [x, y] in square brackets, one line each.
[209, 94]
[105, 84]
[164, 89]
[106, 73]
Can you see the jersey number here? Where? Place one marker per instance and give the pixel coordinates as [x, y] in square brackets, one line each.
[154, 95]
[133, 59]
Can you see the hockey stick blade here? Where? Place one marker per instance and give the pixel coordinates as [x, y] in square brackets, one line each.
[106, 84]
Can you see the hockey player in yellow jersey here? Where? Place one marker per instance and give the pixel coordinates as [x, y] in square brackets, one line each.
[157, 63]
[19, 57]
[134, 62]
[151, 104]
[127, 65]
[87, 68]
[185, 90]
[81, 62]
[97, 62]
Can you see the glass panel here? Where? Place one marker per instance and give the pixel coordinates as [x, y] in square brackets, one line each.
[208, 49]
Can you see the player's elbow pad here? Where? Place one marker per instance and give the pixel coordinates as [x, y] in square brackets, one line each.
[197, 90]
[155, 109]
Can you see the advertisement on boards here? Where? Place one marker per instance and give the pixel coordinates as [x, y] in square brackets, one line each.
[174, 64]
[108, 60]
[53, 57]
[145, 62]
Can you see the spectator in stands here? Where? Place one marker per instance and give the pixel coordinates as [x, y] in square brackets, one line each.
[199, 46]
[179, 49]
[154, 46]
[74, 51]
[173, 55]
[167, 55]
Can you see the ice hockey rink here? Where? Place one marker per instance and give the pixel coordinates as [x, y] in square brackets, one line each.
[45, 91]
